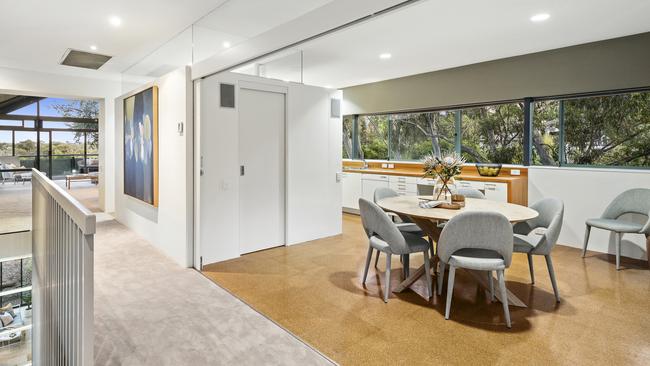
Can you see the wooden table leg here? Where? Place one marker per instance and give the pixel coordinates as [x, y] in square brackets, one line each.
[432, 231]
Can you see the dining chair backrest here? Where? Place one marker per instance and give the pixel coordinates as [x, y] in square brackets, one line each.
[383, 192]
[477, 230]
[469, 192]
[377, 223]
[551, 214]
[425, 189]
[635, 200]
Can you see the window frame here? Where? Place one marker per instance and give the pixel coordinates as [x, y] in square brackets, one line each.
[38, 128]
[529, 110]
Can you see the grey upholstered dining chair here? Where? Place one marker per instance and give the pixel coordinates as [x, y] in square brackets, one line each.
[539, 235]
[384, 236]
[469, 192]
[480, 241]
[406, 226]
[636, 201]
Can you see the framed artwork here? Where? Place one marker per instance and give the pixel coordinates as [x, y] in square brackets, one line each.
[141, 146]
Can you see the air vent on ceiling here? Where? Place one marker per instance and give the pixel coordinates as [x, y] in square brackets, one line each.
[83, 59]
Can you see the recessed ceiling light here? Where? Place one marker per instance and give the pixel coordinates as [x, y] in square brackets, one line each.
[115, 21]
[328, 87]
[226, 44]
[385, 56]
[539, 17]
[93, 47]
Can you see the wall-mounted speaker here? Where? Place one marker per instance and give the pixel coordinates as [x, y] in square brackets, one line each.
[335, 108]
[227, 93]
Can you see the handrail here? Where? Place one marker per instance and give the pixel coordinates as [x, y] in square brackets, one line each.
[81, 216]
[62, 276]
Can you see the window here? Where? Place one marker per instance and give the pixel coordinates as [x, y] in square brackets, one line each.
[603, 130]
[5, 143]
[493, 133]
[608, 130]
[68, 131]
[415, 135]
[348, 123]
[546, 133]
[373, 135]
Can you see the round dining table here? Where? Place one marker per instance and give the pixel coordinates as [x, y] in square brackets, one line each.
[429, 220]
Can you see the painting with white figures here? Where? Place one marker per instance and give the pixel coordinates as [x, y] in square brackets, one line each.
[141, 146]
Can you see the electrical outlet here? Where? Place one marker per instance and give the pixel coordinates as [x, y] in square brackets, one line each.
[391, 166]
[384, 165]
[515, 172]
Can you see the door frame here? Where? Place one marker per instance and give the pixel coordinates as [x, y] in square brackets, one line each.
[240, 83]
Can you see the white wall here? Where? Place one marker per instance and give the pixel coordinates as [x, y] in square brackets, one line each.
[313, 159]
[586, 192]
[168, 226]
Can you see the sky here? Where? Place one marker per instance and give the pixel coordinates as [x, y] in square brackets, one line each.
[46, 110]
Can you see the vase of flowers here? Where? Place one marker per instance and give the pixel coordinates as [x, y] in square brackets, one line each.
[444, 169]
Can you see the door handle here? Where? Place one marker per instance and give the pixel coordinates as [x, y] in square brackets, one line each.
[242, 170]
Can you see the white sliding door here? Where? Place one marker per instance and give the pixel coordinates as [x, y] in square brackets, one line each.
[262, 169]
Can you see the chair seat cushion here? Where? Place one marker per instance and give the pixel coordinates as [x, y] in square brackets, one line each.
[619, 226]
[477, 259]
[526, 243]
[408, 227]
[416, 243]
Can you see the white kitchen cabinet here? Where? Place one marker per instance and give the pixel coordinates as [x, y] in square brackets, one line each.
[351, 190]
[370, 182]
[492, 191]
[496, 191]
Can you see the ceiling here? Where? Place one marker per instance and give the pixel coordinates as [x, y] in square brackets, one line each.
[37, 33]
[234, 22]
[157, 35]
[433, 35]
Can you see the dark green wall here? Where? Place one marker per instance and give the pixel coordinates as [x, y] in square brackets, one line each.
[613, 64]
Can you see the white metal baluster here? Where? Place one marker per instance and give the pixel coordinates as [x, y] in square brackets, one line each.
[62, 244]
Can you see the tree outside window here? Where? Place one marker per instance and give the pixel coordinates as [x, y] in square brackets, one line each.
[493, 134]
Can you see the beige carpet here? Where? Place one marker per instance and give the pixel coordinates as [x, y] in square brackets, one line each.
[150, 311]
[16, 203]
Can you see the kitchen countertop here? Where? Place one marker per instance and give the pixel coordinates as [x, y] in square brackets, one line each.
[418, 173]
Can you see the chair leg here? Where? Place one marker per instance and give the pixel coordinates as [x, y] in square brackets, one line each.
[531, 268]
[450, 289]
[551, 273]
[365, 269]
[387, 285]
[584, 247]
[618, 250]
[441, 275]
[504, 297]
[490, 285]
[406, 265]
[427, 273]
[377, 259]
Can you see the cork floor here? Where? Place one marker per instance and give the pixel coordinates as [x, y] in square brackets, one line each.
[314, 291]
